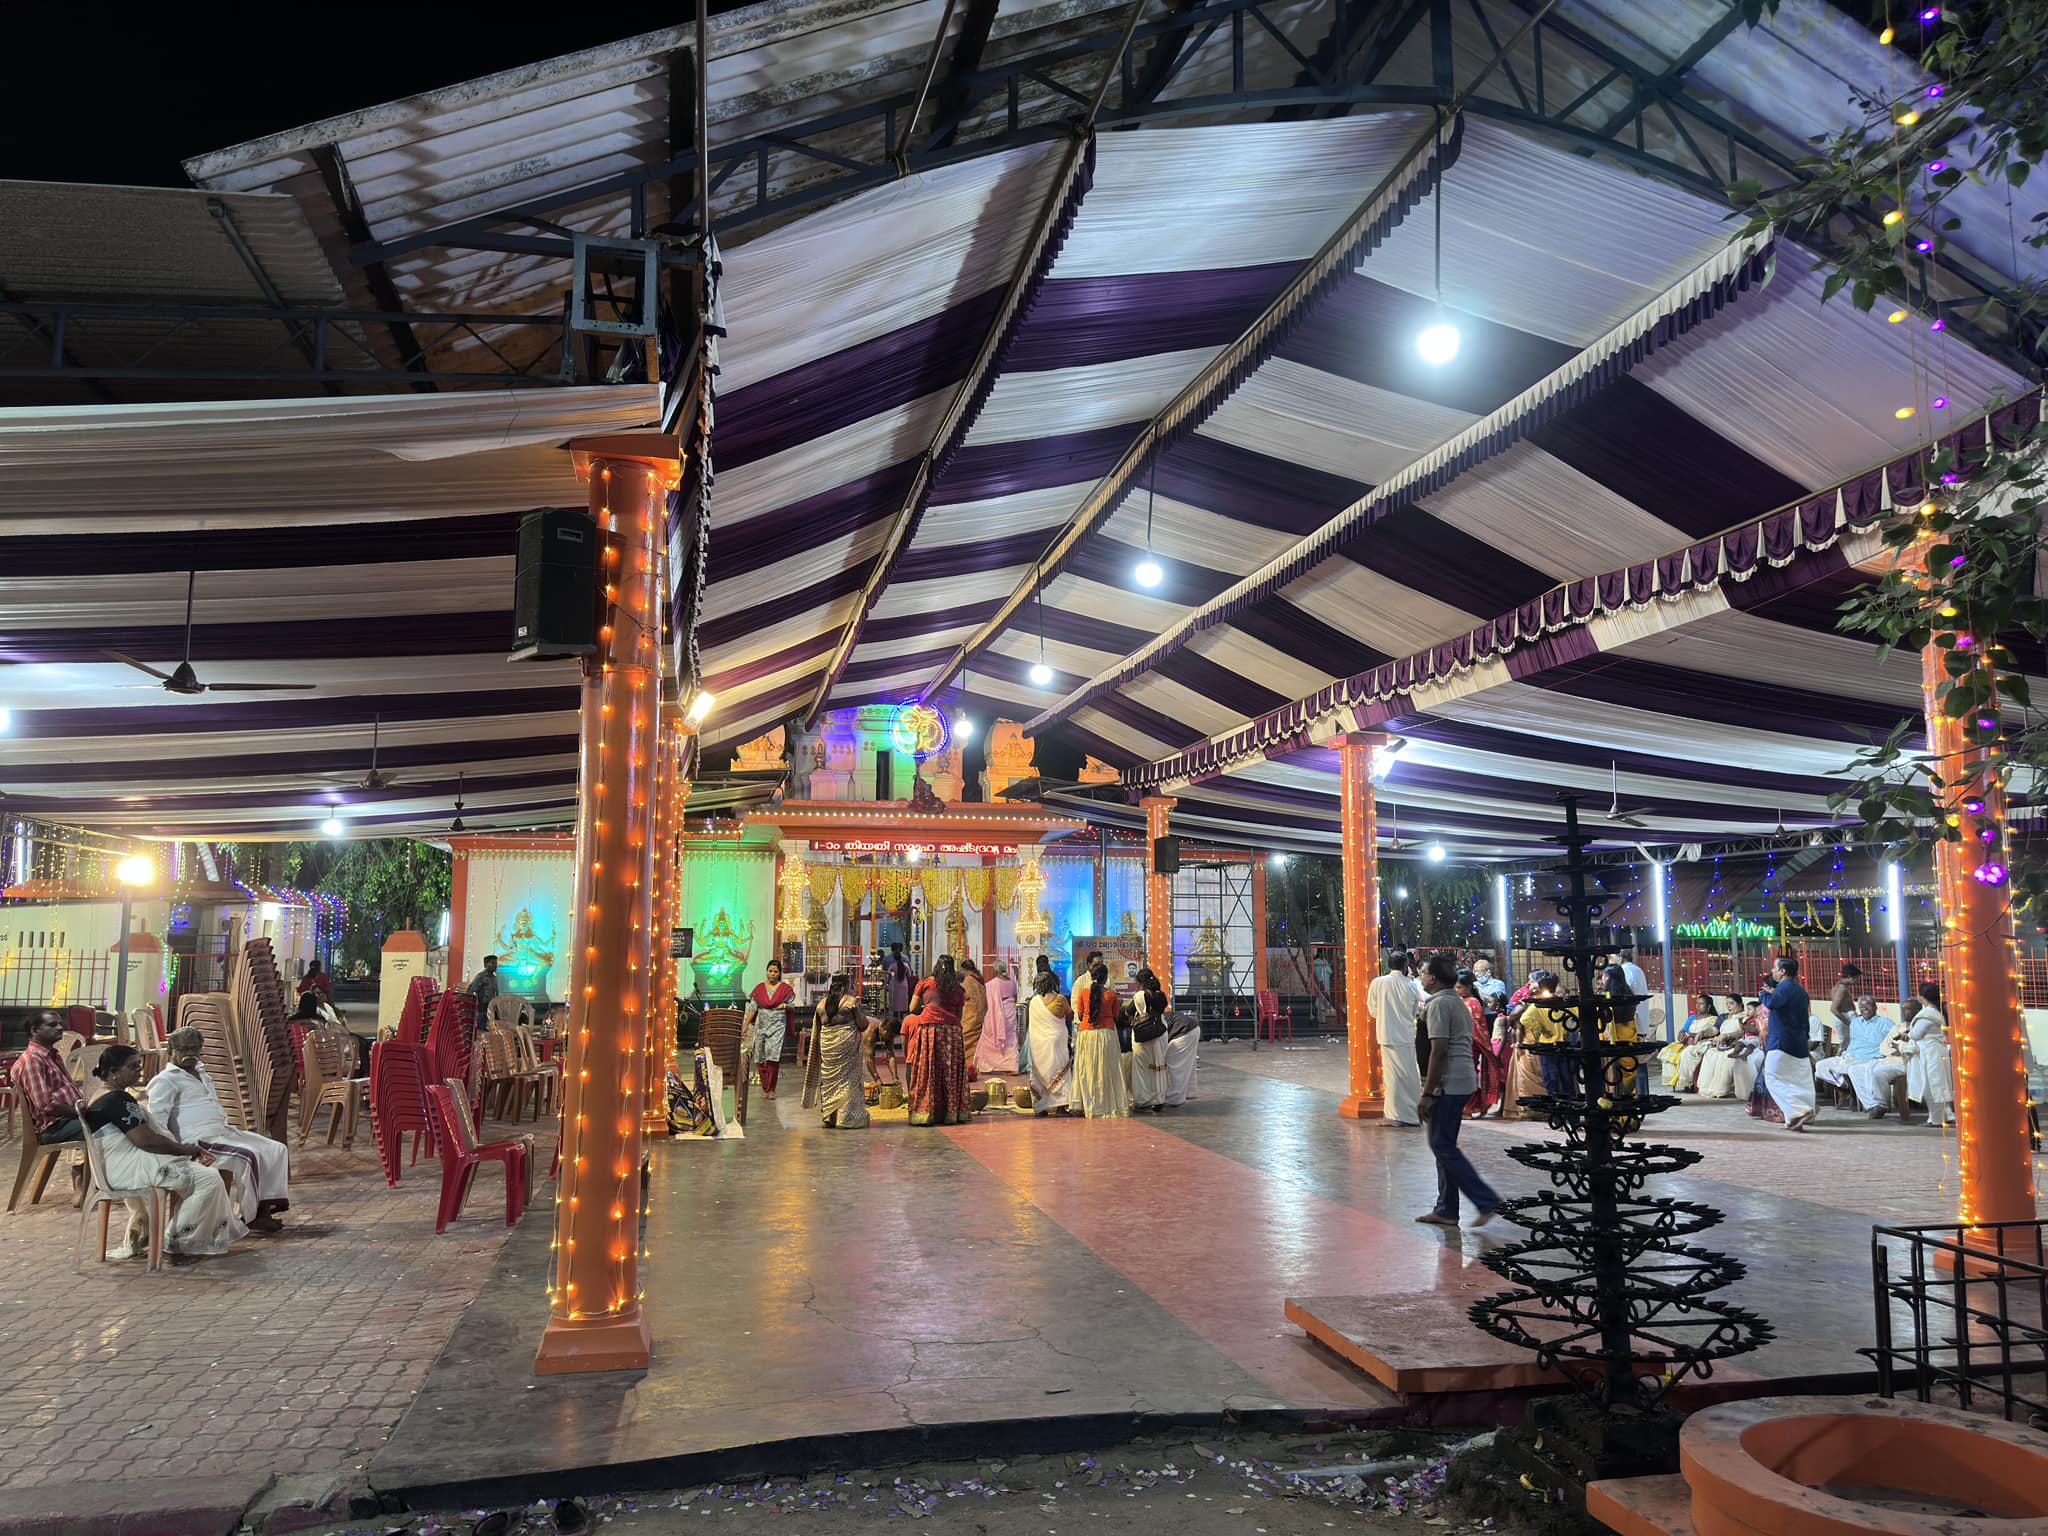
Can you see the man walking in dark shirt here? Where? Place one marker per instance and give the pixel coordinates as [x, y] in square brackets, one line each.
[1788, 1067]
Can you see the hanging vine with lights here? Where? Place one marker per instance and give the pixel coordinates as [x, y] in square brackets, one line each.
[1961, 584]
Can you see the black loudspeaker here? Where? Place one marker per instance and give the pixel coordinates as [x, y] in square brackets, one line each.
[556, 599]
[1166, 856]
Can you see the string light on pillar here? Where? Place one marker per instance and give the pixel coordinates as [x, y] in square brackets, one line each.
[595, 1319]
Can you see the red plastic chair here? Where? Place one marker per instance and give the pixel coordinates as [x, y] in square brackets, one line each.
[398, 1102]
[461, 1154]
[1271, 1020]
[420, 999]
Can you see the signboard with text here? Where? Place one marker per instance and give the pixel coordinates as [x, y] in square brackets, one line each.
[905, 845]
[1123, 953]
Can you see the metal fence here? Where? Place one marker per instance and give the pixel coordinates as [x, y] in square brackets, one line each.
[55, 978]
[1962, 1315]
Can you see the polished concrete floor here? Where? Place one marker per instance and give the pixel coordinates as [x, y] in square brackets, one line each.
[1017, 1284]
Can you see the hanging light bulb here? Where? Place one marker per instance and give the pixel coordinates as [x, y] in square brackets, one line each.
[1434, 853]
[1437, 343]
[1148, 573]
[331, 827]
[963, 727]
[1041, 674]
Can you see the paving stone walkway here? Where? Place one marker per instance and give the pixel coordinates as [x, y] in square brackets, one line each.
[292, 1353]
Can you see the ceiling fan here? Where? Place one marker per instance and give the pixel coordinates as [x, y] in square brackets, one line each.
[377, 778]
[184, 680]
[1633, 816]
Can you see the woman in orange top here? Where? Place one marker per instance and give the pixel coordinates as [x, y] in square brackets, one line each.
[1098, 1063]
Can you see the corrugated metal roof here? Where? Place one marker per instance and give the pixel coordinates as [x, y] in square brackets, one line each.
[522, 135]
[132, 245]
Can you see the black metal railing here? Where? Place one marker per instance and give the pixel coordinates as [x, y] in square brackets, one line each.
[1962, 1315]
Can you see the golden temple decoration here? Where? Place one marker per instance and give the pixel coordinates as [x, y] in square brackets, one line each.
[942, 888]
[974, 886]
[891, 887]
[1006, 883]
[824, 881]
[1208, 948]
[761, 755]
[794, 921]
[1095, 772]
[1026, 882]
[1130, 929]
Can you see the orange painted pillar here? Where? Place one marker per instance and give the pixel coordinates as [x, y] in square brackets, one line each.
[1361, 838]
[1980, 966]
[1158, 892]
[1259, 976]
[458, 917]
[595, 1320]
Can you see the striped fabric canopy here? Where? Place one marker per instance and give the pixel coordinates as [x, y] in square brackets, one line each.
[364, 545]
[1631, 382]
[1603, 547]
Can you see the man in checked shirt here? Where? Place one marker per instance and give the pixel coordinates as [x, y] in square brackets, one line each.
[46, 1088]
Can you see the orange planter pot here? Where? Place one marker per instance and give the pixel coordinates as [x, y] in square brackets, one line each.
[1827, 1466]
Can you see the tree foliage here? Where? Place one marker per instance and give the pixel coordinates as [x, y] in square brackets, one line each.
[1878, 199]
[388, 883]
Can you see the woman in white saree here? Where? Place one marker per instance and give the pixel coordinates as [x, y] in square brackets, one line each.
[1052, 1054]
[137, 1154]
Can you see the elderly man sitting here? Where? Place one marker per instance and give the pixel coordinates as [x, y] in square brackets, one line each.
[1862, 1064]
[182, 1096]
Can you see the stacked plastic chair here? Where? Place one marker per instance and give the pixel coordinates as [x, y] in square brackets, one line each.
[265, 1035]
[421, 999]
[212, 1014]
[398, 1083]
[451, 1043]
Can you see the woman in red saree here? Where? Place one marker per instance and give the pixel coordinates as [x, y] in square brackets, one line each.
[935, 1053]
[1490, 1058]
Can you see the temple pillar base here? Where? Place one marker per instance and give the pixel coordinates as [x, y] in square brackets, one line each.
[1359, 1106]
[572, 1346]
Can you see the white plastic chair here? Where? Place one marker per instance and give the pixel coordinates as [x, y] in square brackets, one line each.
[100, 1202]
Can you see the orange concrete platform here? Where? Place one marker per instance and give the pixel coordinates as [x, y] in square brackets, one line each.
[1418, 1342]
[1643, 1506]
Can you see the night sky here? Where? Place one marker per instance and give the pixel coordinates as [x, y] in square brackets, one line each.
[123, 93]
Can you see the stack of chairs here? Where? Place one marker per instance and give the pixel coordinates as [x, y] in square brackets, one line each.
[451, 1042]
[212, 1014]
[399, 1074]
[421, 999]
[266, 1037]
[398, 1102]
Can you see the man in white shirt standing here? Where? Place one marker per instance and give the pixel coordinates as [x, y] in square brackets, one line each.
[1638, 983]
[1392, 1000]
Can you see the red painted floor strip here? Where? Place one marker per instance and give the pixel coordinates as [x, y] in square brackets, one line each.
[1219, 1244]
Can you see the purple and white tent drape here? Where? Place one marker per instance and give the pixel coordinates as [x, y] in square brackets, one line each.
[362, 545]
